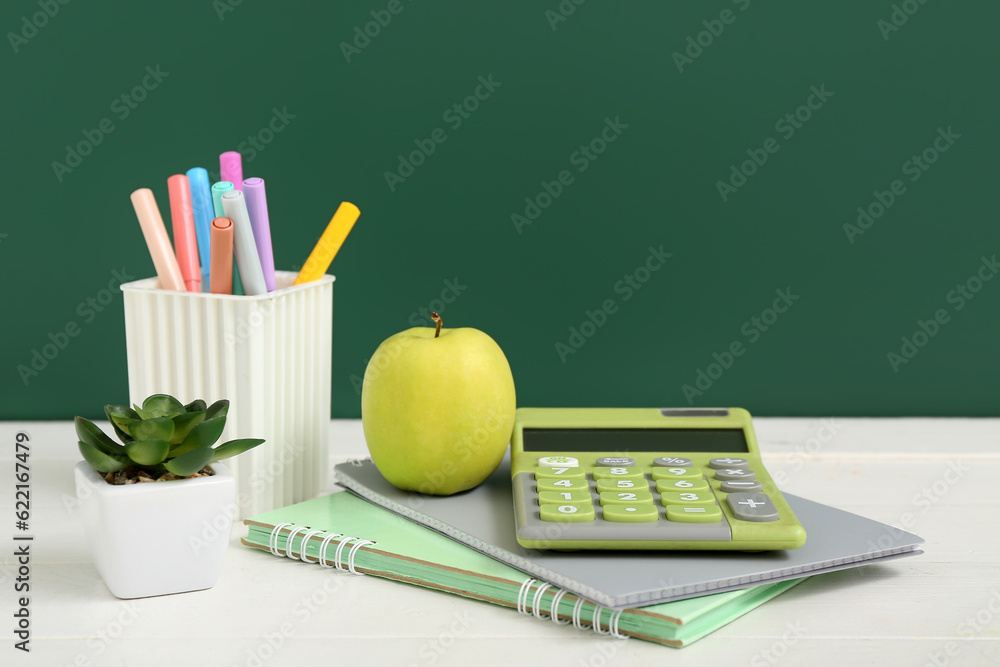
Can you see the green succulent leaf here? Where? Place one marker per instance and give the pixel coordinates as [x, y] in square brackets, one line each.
[204, 434]
[183, 425]
[147, 452]
[234, 447]
[88, 433]
[218, 409]
[157, 428]
[191, 462]
[196, 405]
[119, 416]
[162, 405]
[101, 461]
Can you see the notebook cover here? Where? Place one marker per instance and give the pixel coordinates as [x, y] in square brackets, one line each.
[408, 552]
[483, 518]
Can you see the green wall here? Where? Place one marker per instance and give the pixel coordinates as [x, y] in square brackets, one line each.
[881, 94]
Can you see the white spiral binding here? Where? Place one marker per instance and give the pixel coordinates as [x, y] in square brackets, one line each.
[522, 596]
[291, 536]
[323, 546]
[613, 625]
[596, 621]
[337, 561]
[577, 623]
[536, 601]
[350, 556]
[554, 611]
[272, 543]
[305, 542]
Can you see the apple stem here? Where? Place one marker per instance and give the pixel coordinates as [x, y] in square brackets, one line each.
[439, 321]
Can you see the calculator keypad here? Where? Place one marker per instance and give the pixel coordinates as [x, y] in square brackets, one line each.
[672, 490]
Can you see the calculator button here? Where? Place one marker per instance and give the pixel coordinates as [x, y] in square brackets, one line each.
[630, 513]
[615, 461]
[687, 498]
[555, 473]
[752, 507]
[617, 471]
[694, 513]
[562, 484]
[567, 513]
[626, 497]
[564, 498]
[728, 462]
[667, 485]
[558, 461]
[736, 486]
[734, 473]
[622, 484]
[676, 473]
[668, 461]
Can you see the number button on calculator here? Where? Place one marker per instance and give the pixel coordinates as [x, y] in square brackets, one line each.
[564, 498]
[548, 484]
[687, 498]
[555, 473]
[626, 497]
[676, 473]
[618, 472]
[621, 484]
[567, 513]
[665, 485]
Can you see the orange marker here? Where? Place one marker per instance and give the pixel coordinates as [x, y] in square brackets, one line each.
[328, 245]
[157, 240]
[185, 238]
[221, 272]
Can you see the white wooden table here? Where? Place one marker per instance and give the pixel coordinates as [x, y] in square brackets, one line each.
[939, 478]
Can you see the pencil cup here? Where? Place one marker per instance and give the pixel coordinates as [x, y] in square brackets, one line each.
[270, 355]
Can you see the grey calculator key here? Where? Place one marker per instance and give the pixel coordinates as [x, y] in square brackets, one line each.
[734, 474]
[728, 462]
[668, 461]
[615, 461]
[752, 507]
[737, 486]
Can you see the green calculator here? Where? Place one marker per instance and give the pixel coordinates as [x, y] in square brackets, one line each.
[645, 478]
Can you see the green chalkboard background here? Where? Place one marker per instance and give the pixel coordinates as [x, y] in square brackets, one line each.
[693, 89]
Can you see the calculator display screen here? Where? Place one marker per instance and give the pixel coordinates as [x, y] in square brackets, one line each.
[634, 440]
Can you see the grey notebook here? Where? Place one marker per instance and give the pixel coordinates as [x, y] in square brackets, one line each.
[483, 519]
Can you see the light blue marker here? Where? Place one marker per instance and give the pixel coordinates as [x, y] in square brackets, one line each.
[204, 212]
[219, 189]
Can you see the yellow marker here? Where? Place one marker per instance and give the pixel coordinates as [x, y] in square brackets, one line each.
[328, 245]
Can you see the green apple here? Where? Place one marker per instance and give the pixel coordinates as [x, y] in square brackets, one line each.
[437, 407]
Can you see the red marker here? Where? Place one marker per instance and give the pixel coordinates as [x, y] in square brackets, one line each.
[185, 238]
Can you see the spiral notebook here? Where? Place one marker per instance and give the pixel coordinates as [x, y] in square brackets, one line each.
[345, 532]
[483, 518]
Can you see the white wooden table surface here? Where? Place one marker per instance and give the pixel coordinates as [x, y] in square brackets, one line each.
[939, 478]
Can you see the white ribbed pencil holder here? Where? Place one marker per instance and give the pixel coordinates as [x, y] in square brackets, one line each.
[270, 355]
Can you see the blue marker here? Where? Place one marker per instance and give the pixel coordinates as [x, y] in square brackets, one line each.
[204, 213]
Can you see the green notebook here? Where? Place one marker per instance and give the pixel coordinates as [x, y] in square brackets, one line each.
[359, 536]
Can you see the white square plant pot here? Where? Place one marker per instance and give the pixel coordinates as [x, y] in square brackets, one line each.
[157, 538]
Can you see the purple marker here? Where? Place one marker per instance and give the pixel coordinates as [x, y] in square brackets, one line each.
[253, 191]
[231, 168]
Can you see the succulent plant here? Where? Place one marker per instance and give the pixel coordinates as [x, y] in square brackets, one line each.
[161, 436]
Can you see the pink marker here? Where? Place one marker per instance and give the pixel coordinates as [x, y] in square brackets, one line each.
[157, 240]
[231, 166]
[185, 237]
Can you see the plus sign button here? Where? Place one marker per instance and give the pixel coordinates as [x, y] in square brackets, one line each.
[752, 507]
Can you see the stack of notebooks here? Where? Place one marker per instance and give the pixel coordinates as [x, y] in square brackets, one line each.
[465, 545]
